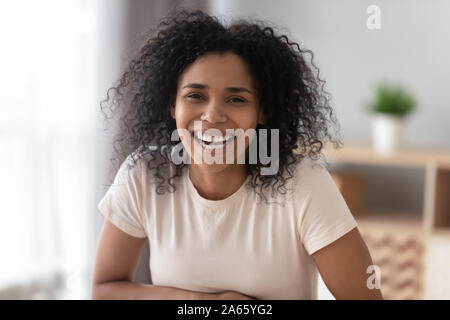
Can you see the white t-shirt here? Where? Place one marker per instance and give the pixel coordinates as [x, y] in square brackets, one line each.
[239, 243]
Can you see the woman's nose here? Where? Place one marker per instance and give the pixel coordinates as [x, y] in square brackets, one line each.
[213, 113]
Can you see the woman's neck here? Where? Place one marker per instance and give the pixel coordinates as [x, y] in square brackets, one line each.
[218, 185]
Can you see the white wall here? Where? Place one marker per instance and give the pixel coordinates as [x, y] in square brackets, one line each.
[112, 33]
[412, 47]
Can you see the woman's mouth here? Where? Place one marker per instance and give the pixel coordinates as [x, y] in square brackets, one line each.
[212, 143]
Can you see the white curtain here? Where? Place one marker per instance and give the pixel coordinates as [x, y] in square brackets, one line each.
[48, 53]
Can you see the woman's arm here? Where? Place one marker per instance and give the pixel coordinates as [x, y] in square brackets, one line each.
[136, 291]
[343, 266]
[127, 290]
[116, 264]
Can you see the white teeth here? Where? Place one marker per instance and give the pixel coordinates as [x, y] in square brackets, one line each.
[212, 139]
[218, 139]
[208, 138]
[216, 142]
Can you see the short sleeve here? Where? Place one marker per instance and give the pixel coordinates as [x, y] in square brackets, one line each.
[122, 203]
[324, 215]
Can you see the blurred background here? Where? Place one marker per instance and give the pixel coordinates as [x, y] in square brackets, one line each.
[58, 58]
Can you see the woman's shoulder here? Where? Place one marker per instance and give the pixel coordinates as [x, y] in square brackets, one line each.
[310, 174]
[157, 170]
[298, 180]
[132, 168]
[309, 165]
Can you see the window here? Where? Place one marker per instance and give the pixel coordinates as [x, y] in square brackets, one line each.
[47, 112]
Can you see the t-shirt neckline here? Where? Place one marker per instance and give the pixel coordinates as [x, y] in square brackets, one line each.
[216, 204]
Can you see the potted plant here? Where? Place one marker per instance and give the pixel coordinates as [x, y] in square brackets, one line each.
[389, 109]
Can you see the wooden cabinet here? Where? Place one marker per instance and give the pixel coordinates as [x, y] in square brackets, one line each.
[400, 218]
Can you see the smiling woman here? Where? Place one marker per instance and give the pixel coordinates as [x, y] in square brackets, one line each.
[212, 236]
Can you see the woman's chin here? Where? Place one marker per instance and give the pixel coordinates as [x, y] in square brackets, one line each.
[215, 167]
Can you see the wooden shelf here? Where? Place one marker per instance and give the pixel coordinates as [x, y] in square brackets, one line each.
[364, 154]
[408, 221]
[436, 165]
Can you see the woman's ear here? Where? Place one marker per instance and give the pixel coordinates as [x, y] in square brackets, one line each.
[172, 111]
[172, 107]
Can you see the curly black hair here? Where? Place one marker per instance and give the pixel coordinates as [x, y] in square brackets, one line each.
[292, 97]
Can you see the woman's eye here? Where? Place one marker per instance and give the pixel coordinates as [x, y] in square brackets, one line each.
[235, 99]
[194, 96]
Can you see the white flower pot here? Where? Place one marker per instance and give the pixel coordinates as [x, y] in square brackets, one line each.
[387, 133]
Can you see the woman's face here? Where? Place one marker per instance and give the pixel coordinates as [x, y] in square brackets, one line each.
[217, 91]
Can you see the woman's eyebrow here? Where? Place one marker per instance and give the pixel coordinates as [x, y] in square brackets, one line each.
[196, 86]
[238, 89]
[204, 86]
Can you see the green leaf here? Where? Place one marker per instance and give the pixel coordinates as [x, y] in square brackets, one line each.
[392, 100]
